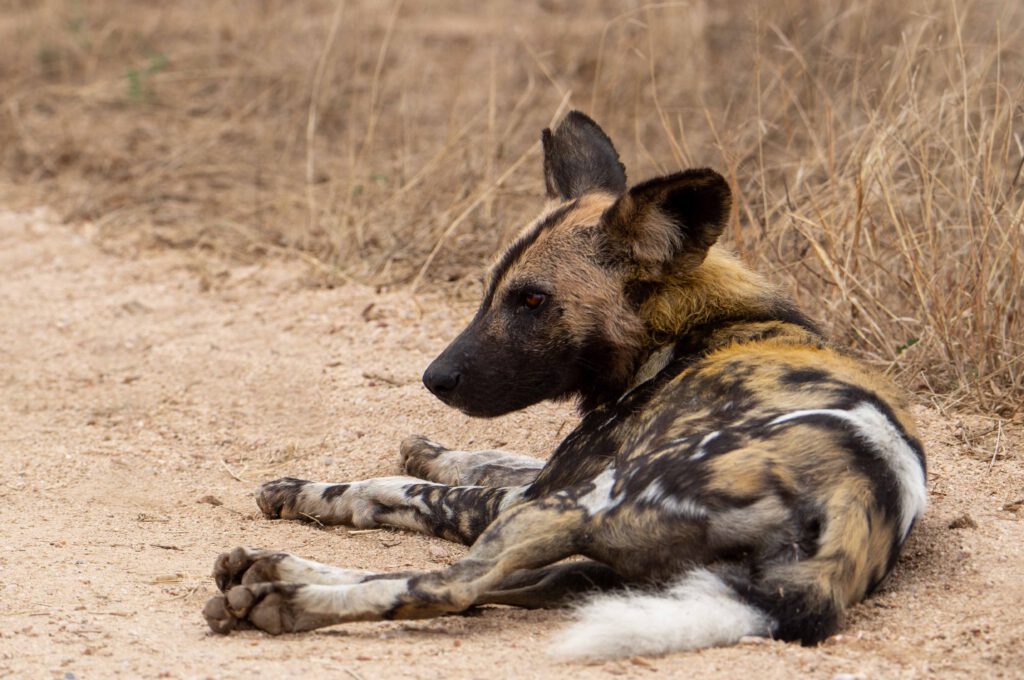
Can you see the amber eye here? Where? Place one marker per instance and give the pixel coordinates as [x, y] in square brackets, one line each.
[534, 300]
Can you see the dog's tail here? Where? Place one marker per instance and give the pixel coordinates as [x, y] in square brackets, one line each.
[699, 610]
[702, 609]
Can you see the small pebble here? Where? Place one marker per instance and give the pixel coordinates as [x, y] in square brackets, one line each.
[964, 521]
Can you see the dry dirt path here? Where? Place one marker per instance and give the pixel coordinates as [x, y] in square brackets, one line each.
[131, 390]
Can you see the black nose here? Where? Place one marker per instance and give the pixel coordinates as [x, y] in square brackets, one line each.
[440, 380]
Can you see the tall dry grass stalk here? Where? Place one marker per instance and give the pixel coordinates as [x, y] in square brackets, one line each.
[874, 148]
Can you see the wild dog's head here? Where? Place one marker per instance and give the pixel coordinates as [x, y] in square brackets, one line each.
[561, 315]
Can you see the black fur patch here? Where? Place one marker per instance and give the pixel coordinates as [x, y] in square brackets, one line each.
[579, 158]
[334, 491]
[803, 376]
[798, 615]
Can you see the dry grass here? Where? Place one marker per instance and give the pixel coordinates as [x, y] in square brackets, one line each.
[872, 146]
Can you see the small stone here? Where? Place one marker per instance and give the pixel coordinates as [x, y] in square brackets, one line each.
[210, 500]
[136, 307]
[964, 521]
[1014, 506]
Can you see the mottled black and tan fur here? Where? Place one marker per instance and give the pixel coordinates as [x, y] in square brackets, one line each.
[731, 474]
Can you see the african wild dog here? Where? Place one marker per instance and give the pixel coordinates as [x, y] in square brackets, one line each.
[731, 474]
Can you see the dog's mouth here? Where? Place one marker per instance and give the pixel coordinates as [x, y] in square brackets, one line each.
[475, 408]
[478, 400]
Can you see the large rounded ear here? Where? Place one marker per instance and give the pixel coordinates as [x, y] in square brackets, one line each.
[668, 223]
[579, 158]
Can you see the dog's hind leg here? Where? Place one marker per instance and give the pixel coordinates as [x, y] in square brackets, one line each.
[247, 566]
[552, 586]
[455, 513]
[533, 534]
[426, 459]
[556, 585]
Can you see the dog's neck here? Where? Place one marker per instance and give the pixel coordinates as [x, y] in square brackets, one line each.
[720, 287]
[690, 314]
[721, 302]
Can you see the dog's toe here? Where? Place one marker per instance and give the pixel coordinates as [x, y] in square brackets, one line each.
[217, 616]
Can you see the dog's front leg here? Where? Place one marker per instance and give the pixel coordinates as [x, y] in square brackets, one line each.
[426, 459]
[455, 513]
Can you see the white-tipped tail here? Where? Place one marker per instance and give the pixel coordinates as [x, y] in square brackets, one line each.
[698, 611]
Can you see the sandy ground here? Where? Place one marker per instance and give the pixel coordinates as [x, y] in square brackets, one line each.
[141, 400]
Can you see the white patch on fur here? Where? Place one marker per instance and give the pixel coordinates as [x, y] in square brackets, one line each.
[698, 611]
[361, 602]
[701, 452]
[600, 498]
[294, 569]
[875, 428]
[390, 491]
[683, 507]
[359, 504]
[465, 466]
[652, 367]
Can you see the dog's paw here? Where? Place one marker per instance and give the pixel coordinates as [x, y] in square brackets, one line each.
[267, 606]
[246, 566]
[217, 616]
[279, 499]
[416, 453]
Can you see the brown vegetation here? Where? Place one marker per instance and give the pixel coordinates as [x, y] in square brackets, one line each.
[872, 146]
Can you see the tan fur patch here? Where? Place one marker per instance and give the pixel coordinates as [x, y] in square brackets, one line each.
[559, 259]
[721, 285]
